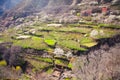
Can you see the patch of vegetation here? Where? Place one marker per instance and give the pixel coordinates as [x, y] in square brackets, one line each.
[71, 45]
[48, 60]
[109, 26]
[38, 65]
[78, 14]
[90, 44]
[3, 63]
[86, 40]
[73, 25]
[38, 24]
[49, 71]
[50, 42]
[87, 18]
[75, 29]
[66, 29]
[25, 77]
[70, 65]
[61, 62]
[18, 68]
[34, 42]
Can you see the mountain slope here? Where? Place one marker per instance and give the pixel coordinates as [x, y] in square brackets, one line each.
[7, 4]
[37, 5]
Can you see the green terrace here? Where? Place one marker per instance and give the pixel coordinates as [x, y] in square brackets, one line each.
[68, 36]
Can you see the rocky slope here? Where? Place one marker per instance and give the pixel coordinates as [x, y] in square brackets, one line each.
[36, 5]
[65, 11]
[60, 40]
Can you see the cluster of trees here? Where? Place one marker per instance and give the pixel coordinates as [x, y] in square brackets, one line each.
[12, 55]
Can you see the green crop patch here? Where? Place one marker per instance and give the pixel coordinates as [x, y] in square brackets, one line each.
[70, 44]
[48, 60]
[90, 44]
[86, 40]
[34, 42]
[50, 42]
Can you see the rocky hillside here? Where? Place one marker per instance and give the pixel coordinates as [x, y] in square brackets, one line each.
[60, 40]
[36, 5]
[65, 11]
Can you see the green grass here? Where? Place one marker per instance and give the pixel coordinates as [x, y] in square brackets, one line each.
[38, 65]
[89, 44]
[73, 25]
[61, 62]
[70, 65]
[66, 29]
[34, 42]
[70, 44]
[48, 60]
[50, 42]
[70, 36]
[86, 40]
[109, 26]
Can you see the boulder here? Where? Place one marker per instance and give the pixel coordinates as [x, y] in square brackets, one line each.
[58, 52]
[94, 33]
[23, 37]
[54, 25]
[69, 54]
[32, 31]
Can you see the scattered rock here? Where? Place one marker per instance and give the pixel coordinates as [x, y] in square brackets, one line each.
[56, 74]
[32, 31]
[94, 33]
[23, 37]
[69, 54]
[59, 52]
[54, 25]
[67, 74]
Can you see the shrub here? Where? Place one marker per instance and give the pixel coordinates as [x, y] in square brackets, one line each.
[78, 14]
[3, 63]
[18, 68]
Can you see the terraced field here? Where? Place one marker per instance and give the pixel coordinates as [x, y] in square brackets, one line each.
[68, 39]
[70, 36]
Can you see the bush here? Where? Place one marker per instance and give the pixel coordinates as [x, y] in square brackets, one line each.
[3, 63]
